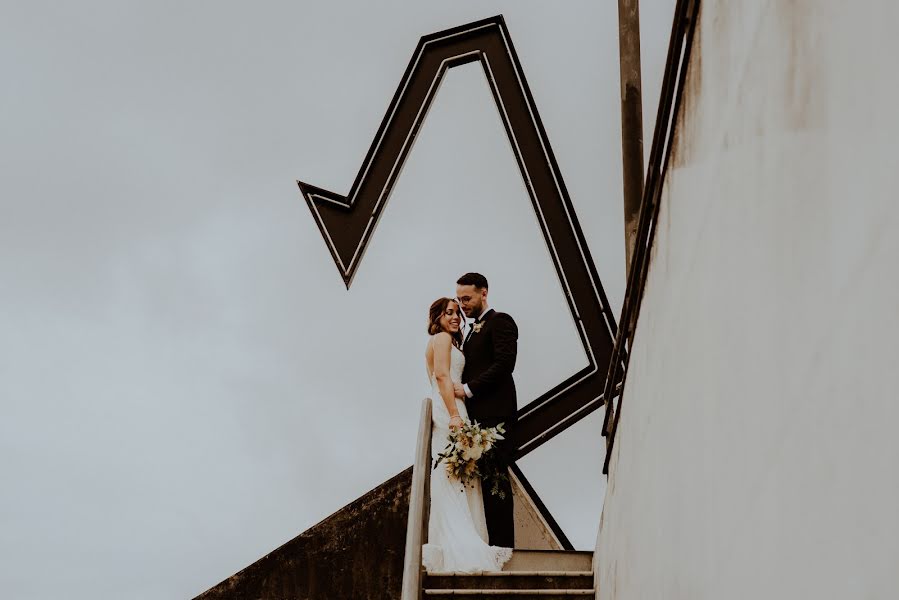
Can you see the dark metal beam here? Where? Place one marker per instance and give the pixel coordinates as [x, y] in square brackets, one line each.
[347, 222]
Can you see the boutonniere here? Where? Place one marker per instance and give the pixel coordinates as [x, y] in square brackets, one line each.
[476, 327]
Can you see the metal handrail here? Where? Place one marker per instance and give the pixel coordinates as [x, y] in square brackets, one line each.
[683, 28]
[419, 503]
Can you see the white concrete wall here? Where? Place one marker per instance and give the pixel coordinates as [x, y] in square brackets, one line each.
[758, 451]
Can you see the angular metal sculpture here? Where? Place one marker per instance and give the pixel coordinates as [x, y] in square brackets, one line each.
[348, 222]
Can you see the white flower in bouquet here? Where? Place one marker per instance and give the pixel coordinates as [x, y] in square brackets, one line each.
[467, 446]
[474, 452]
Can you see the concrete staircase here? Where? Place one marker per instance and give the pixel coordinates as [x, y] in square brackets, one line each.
[529, 575]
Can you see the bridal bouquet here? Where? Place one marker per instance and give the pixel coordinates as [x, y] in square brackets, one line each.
[468, 455]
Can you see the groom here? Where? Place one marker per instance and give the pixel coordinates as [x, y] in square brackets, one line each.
[490, 348]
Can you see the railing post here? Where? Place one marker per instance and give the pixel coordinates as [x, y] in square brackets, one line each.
[679, 46]
[631, 119]
[419, 501]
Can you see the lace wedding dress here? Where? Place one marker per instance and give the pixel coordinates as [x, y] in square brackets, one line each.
[457, 528]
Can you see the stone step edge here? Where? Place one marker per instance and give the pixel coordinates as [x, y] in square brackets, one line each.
[514, 574]
[552, 552]
[548, 551]
[542, 592]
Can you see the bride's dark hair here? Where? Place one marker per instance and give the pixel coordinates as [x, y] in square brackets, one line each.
[438, 307]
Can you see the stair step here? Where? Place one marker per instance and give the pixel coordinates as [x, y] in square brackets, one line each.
[511, 594]
[550, 560]
[511, 580]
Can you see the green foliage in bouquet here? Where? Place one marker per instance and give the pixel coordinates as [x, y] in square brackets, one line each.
[493, 473]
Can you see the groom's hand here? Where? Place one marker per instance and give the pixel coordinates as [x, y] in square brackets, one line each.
[458, 390]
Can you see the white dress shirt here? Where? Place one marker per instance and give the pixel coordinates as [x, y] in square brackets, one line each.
[465, 387]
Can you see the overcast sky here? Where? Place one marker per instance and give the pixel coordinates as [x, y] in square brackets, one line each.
[185, 383]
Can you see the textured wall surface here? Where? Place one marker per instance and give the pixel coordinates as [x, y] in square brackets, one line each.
[757, 454]
[356, 553]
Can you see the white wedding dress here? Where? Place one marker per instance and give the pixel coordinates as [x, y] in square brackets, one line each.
[457, 528]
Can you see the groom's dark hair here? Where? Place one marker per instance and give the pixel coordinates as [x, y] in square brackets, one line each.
[475, 279]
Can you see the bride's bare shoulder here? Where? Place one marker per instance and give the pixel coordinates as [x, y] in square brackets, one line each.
[441, 339]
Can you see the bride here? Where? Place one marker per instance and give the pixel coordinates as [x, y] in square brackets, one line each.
[457, 527]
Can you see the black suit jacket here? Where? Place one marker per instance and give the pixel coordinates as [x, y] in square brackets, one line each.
[490, 356]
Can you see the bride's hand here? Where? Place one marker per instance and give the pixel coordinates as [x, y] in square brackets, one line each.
[455, 422]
